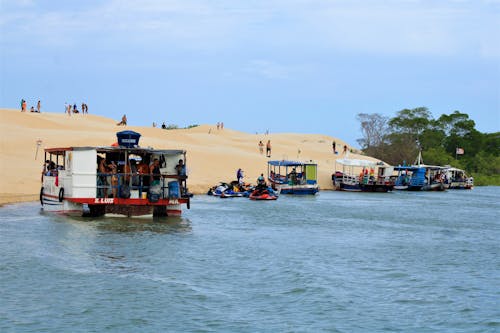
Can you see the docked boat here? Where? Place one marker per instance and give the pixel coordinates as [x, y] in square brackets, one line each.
[123, 182]
[293, 177]
[362, 176]
[420, 177]
[457, 179]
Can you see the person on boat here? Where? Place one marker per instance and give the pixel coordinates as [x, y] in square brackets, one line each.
[261, 183]
[180, 168]
[239, 176]
[293, 176]
[143, 170]
[114, 178]
[154, 170]
[102, 183]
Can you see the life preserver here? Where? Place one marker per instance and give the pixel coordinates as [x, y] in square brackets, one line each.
[41, 196]
[61, 194]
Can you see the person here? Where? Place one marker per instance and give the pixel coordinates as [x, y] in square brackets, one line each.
[123, 122]
[239, 176]
[181, 173]
[218, 125]
[102, 183]
[143, 169]
[131, 170]
[261, 183]
[154, 170]
[334, 146]
[45, 169]
[221, 125]
[75, 110]
[261, 147]
[38, 106]
[32, 109]
[268, 148]
[114, 178]
[83, 108]
[293, 176]
[163, 126]
[345, 149]
[23, 106]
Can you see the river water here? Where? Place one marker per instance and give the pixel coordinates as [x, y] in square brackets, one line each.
[336, 262]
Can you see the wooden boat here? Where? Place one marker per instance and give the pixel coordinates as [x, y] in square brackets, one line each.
[74, 185]
[420, 176]
[457, 179]
[359, 176]
[293, 177]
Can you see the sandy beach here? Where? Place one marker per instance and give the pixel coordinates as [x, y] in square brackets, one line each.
[212, 155]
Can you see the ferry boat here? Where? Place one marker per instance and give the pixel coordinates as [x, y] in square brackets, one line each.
[359, 176]
[94, 181]
[293, 177]
[457, 179]
[420, 177]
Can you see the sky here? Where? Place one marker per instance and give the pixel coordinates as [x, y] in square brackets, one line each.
[279, 65]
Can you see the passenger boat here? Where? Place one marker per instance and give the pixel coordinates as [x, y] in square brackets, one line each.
[420, 176]
[93, 181]
[293, 177]
[457, 179]
[359, 176]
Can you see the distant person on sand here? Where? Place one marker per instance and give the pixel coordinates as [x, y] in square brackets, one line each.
[218, 125]
[345, 149]
[32, 109]
[75, 110]
[268, 148]
[163, 126]
[221, 125]
[23, 105]
[334, 146]
[38, 107]
[123, 122]
[261, 147]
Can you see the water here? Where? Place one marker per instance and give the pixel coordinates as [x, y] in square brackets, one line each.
[337, 262]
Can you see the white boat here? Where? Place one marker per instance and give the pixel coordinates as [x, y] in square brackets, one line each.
[362, 176]
[293, 177]
[457, 179]
[74, 182]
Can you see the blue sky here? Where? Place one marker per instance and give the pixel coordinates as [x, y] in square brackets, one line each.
[283, 65]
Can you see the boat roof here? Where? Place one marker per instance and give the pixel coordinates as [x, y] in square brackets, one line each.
[356, 162]
[289, 163]
[406, 167]
[109, 149]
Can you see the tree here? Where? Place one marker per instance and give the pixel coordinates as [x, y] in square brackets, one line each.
[411, 122]
[373, 129]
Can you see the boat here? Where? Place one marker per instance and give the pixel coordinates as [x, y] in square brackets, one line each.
[457, 179]
[420, 176]
[293, 177]
[71, 183]
[263, 194]
[359, 176]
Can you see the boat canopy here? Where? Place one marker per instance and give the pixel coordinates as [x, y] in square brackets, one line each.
[118, 149]
[356, 162]
[287, 163]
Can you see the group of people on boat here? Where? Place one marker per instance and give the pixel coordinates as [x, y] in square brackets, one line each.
[139, 173]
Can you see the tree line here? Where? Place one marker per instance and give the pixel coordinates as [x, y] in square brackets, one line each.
[451, 139]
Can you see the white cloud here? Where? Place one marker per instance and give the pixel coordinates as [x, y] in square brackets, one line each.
[378, 27]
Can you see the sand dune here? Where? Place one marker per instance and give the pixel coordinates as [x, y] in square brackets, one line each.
[211, 157]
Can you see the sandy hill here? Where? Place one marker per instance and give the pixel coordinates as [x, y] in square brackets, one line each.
[213, 155]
